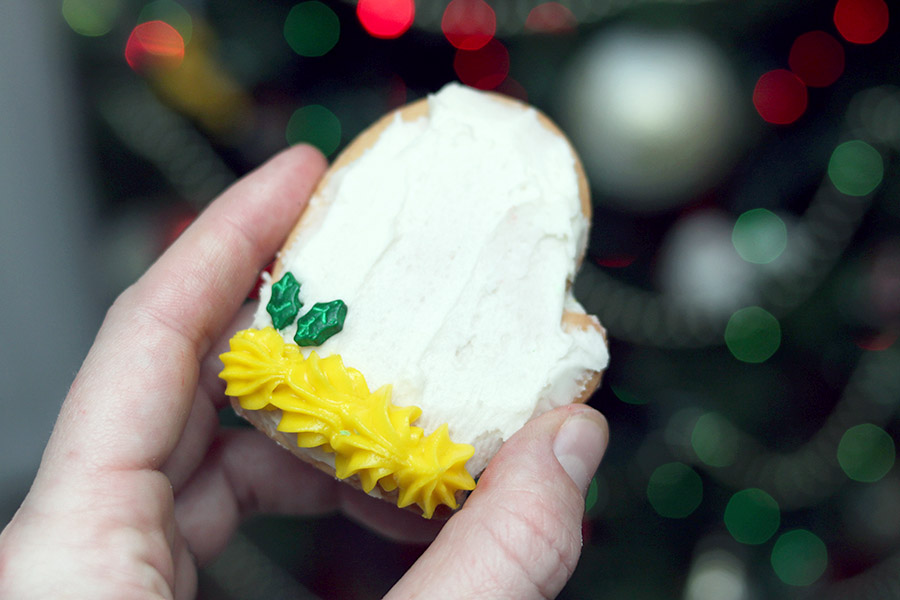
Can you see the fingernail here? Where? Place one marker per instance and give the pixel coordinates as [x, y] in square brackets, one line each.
[579, 446]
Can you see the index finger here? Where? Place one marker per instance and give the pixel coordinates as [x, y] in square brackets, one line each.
[131, 399]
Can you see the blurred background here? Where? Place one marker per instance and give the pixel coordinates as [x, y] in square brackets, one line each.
[745, 250]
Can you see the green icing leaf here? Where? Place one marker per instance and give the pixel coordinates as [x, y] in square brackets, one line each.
[322, 321]
[285, 302]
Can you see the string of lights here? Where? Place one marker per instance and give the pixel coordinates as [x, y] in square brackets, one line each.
[811, 472]
[639, 316]
[515, 16]
[769, 487]
[184, 157]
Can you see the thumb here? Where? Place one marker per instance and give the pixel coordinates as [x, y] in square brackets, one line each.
[519, 533]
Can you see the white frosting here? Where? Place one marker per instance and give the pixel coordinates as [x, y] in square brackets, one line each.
[452, 241]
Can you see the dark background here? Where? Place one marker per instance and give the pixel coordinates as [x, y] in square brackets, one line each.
[102, 165]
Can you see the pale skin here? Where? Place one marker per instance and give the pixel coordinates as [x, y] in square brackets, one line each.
[139, 485]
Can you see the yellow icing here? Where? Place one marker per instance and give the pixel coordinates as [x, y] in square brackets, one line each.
[330, 406]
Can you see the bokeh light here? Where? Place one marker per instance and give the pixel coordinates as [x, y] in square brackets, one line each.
[716, 574]
[714, 441]
[655, 115]
[314, 124]
[780, 97]
[597, 498]
[312, 28]
[699, 269]
[172, 13]
[485, 68]
[878, 342]
[817, 58]
[590, 498]
[153, 46]
[752, 516]
[616, 261]
[551, 17]
[469, 24]
[512, 88]
[855, 168]
[799, 557]
[752, 334]
[866, 453]
[675, 490]
[875, 114]
[386, 19]
[91, 18]
[175, 226]
[759, 236]
[397, 92]
[861, 21]
[627, 396]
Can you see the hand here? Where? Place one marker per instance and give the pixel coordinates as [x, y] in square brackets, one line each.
[139, 484]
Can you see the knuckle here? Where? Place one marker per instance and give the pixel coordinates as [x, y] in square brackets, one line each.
[535, 539]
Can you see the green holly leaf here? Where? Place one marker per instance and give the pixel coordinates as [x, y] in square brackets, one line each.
[285, 302]
[322, 321]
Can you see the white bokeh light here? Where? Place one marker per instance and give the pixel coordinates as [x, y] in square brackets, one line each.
[655, 115]
[717, 575]
[700, 269]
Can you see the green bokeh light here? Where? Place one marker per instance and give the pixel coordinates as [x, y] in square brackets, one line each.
[752, 516]
[312, 28]
[590, 499]
[855, 168]
[759, 236]
[714, 441]
[91, 18]
[866, 453]
[675, 490]
[169, 12]
[799, 557]
[752, 334]
[316, 125]
[597, 497]
[626, 396]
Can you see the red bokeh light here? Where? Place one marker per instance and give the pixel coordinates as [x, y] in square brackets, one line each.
[469, 24]
[878, 342]
[512, 88]
[253, 294]
[175, 226]
[616, 261]
[780, 97]
[485, 68]
[397, 94]
[861, 21]
[551, 17]
[386, 19]
[154, 45]
[817, 58]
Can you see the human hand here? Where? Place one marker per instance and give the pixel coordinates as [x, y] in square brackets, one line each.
[139, 484]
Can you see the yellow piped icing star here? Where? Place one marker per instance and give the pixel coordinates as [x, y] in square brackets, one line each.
[329, 406]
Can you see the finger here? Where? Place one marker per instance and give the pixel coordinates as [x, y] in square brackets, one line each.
[246, 473]
[385, 519]
[200, 283]
[519, 533]
[199, 432]
[203, 422]
[210, 383]
[185, 570]
[130, 401]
